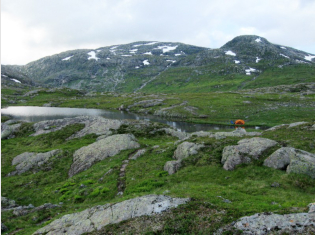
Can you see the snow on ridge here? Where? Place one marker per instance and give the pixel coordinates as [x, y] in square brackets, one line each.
[257, 59]
[166, 48]
[97, 51]
[258, 40]
[3, 75]
[178, 54]
[230, 53]
[237, 61]
[92, 55]
[68, 58]
[173, 61]
[309, 57]
[137, 67]
[150, 43]
[113, 48]
[285, 56]
[148, 53]
[15, 80]
[248, 71]
[126, 55]
[108, 58]
[146, 62]
[283, 48]
[133, 51]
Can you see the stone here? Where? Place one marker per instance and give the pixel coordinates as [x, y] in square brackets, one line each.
[292, 160]
[311, 207]
[276, 127]
[172, 166]
[297, 124]
[7, 203]
[28, 160]
[239, 132]
[147, 103]
[180, 135]
[7, 131]
[97, 217]
[138, 154]
[245, 151]
[266, 223]
[24, 210]
[3, 227]
[203, 134]
[96, 125]
[86, 156]
[186, 149]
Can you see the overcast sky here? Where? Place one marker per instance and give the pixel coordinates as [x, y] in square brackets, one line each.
[32, 29]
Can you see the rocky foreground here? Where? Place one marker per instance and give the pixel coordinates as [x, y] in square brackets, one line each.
[251, 148]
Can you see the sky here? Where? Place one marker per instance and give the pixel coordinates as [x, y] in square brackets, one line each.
[32, 29]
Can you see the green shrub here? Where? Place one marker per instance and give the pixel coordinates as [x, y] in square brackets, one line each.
[67, 184]
[95, 192]
[64, 191]
[105, 190]
[87, 182]
[146, 186]
[78, 199]
[162, 173]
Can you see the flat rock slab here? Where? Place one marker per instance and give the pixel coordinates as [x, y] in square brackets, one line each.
[293, 161]
[97, 125]
[245, 151]
[266, 223]
[86, 156]
[239, 132]
[28, 160]
[97, 217]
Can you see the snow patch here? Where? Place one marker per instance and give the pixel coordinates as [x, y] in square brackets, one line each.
[301, 61]
[15, 80]
[137, 67]
[248, 71]
[97, 51]
[309, 57]
[4, 75]
[126, 55]
[178, 54]
[258, 40]
[167, 48]
[173, 61]
[230, 53]
[92, 55]
[68, 58]
[133, 51]
[237, 61]
[113, 48]
[286, 56]
[107, 58]
[150, 43]
[283, 48]
[257, 59]
[146, 62]
[148, 53]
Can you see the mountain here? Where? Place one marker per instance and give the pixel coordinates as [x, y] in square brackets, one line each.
[244, 62]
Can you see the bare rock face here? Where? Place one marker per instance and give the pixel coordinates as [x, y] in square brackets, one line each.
[97, 125]
[292, 160]
[267, 223]
[7, 131]
[86, 156]
[27, 161]
[97, 217]
[245, 151]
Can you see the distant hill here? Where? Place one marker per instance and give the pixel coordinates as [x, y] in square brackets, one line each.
[244, 62]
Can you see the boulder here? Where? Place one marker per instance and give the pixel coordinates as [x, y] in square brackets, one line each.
[239, 132]
[203, 134]
[276, 127]
[99, 216]
[180, 135]
[7, 131]
[311, 207]
[7, 203]
[172, 166]
[183, 151]
[245, 151]
[186, 149]
[297, 124]
[292, 160]
[28, 160]
[139, 153]
[86, 156]
[266, 223]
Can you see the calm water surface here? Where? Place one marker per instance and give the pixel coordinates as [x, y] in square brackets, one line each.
[36, 114]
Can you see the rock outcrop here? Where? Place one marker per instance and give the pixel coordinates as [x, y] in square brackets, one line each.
[97, 217]
[86, 156]
[292, 160]
[266, 223]
[7, 131]
[28, 160]
[180, 135]
[245, 151]
[239, 132]
[184, 150]
[97, 125]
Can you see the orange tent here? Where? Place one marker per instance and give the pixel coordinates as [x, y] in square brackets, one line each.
[239, 122]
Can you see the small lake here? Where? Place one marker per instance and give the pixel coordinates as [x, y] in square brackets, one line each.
[36, 114]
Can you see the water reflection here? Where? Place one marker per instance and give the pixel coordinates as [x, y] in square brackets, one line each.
[36, 114]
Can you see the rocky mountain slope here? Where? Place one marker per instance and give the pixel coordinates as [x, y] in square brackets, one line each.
[244, 62]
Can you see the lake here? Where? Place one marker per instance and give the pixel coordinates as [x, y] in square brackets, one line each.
[36, 114]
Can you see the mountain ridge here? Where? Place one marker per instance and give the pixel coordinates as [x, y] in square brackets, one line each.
[130, 67]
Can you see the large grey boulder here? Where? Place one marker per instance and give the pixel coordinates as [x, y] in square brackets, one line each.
[184, 150]
[97, 125]
[29, 160]
[86, 156]
[7, 131]
[292, 160]
[180, 135]
[245, 151]
[266, 223]
[97, 217]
